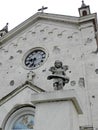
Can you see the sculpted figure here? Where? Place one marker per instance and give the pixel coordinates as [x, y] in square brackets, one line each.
[58, 75]
[4, 30]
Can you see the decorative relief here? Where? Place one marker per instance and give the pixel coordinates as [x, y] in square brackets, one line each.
[30, 75]
[73, 83]
[20, 39]
[15, 45]
[33, 33]
[59, 35]
[54, 29]
[58, 75]
[56, 49]
[6, 51]
[46, 28]
[11, 57]
[30, 35]
[46, 33]
[11, 82]
[24, 39]
[75, 36]
[64, 32]
[44, 70]
[75, 33]
[50, 33]
[89, 40]
[37, 26]
[45, 38]
[0, 64]
[96, 71]
[19, 51]
[82, 55]
[81, 82]
[42, 30]
[69, 37]
[11, 66]
[7, 48]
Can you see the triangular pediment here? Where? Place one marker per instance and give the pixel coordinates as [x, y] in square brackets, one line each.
[47, 17]
[41, 30]
[19, 89]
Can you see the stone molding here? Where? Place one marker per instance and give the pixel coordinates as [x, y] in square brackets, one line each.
[27, 84]
[55, 96]
[51, 17]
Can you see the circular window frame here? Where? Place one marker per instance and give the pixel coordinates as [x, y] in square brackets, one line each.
[30, 51]
[15, 114]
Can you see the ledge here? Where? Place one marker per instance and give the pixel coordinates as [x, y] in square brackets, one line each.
[61, 95]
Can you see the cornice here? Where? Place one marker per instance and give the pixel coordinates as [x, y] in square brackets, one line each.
[48, 17]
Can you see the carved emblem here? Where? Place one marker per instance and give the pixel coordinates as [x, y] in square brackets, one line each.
[30, 75]
[58, 75]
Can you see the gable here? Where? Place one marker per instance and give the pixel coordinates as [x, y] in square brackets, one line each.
[24, 91]
[41, 33]
[59, 35]
[68, 39]
[18, 97]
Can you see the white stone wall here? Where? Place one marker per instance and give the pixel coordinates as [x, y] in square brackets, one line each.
[23, 97]
[70, 43]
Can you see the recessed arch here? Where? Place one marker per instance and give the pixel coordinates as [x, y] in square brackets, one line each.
[21, 116]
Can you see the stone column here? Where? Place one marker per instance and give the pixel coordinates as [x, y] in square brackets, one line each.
[57, 110]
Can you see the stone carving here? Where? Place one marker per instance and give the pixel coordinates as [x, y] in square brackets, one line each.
[81, 82]
[96, 71]
[89, 40]
[44, 32]
[0, 64]
[44, 38]
[11, 57]
[73, 83]
[59, 35]
[12, 82]
[58, 75]
[69, 37]
[19, 51]
[56, 49]
[50, 32]
[4, 30]
[30, 75]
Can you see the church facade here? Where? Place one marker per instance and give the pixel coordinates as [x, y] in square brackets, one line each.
[49, 73]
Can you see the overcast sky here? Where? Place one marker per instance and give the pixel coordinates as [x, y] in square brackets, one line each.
[16, 11]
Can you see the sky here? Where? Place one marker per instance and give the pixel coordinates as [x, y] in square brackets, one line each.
[16, 11]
